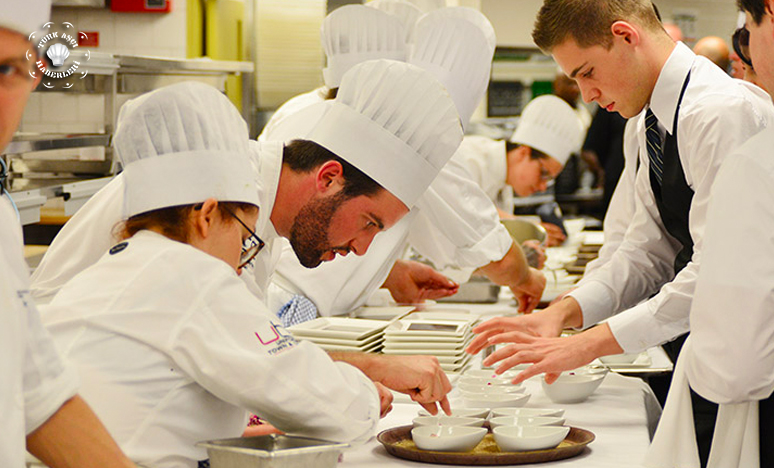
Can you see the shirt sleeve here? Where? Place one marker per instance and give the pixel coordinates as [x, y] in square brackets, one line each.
[732, 358]
[705, 136]
[243, 355]
[457, 224]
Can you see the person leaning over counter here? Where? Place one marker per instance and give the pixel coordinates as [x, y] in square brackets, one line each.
[695, 116]
[172, 347]
[300, 185]
[728, 357]
[454, 223]
[39, 401]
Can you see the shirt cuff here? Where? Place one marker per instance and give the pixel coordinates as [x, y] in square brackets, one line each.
[595, 300]
[637, 329]
[491, 248]
[45, 400]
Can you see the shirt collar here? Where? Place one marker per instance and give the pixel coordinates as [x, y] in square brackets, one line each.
[670, 81]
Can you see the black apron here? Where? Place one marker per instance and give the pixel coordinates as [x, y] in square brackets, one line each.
[673, 199]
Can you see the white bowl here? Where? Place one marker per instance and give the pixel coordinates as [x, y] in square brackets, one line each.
[572, 387]
[490, 391]
[484, 400]
[528, 412]
[523, 438]
[525, 421]
[482, 374]
[475, 388]
[448, 438]
[482, 413]
[618, 359]
[447, 421]
[484, 382]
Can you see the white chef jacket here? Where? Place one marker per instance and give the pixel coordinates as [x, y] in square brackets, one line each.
[89, 233]
[35, 380]
[173, 349]
[717, 115]
[454, 224]
[290, 107]
[621, 207]
[485, 161]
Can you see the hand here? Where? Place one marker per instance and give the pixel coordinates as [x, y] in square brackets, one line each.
[260, 429]
[420, 377]
[412, 282]
[555, 234]
[532, 247]
[551, 355]
[543, 324]
[385, 399]
[529, 292]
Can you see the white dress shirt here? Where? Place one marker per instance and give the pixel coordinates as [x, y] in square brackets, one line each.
[35, 380]
[621, 207]
[717, 115]
[173, 349]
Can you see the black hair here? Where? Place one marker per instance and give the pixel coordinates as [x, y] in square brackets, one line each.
[305, 156]
[756, 8]
[534, 154]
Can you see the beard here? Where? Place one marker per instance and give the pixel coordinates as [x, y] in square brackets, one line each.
[309, 232]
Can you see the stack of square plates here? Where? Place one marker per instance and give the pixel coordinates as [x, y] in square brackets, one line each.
[443, 338]
[342, 333]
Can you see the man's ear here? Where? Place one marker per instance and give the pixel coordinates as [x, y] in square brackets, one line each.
[329, 177]
[625, 31]
[205, 216]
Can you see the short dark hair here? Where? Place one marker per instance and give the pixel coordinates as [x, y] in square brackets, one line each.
[756, 9]
[305, 156]
[533, 154]
[588, 21]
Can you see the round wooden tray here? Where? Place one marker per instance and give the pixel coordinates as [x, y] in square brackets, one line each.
[398, 443]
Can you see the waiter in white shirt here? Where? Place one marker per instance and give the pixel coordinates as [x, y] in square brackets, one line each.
[39, 403]
[454, 224]
[728, 357]
[695, 116]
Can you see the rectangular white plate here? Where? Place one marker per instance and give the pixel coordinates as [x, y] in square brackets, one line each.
[382, 313]
[445, 328]
[338, 327]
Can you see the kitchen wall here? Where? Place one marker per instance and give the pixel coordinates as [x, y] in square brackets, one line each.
[156, 34]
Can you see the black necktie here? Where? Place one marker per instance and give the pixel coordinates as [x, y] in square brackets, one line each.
[655, 150]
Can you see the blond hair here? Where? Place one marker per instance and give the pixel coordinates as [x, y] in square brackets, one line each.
[588, 21]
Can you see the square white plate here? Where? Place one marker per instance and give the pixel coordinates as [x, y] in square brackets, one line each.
[414, 345]
[445, 328]
[382, 313]
[343, 341]
[338, 327]
[376, 346]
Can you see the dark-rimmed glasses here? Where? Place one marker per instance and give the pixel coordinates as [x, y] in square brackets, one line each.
[251, 246]
[741, 42]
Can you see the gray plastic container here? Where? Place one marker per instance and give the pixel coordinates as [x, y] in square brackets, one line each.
[272, 451]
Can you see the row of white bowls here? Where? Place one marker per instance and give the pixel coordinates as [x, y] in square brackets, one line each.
[508, 438]
[493, 422]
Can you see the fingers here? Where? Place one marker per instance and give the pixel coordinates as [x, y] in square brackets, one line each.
[430, 407]
[497, 323]
[552, 376]
[446, 406]
[480, 342]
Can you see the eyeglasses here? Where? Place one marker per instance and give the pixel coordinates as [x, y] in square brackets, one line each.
[545, 174]
[3, 176]
[741, 42]
[251, 246]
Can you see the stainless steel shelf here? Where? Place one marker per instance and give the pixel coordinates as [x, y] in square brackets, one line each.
[130, 63]
[26, 144]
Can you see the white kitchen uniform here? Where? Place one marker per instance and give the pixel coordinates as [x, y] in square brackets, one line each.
[173, 349]
[485, 162]
[730, 359]
[89, 233]
[717, 115]
[621, 207]
[35, 380]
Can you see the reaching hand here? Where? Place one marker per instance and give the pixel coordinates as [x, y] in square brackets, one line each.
[544, 323]
[534, 253]
[412, 282]
[555, 234]
[420, 377]
[529, 292]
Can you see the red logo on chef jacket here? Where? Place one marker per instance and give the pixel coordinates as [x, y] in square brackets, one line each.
[57, 60]
[275, 338]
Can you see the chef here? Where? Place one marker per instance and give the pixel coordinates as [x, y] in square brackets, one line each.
[407, 13]
[728, 358]
[695, 116]
[172, 347]
[454, 224]
[295, 183]
[39, 404]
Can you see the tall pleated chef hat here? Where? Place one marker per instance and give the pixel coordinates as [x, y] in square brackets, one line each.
[428, 5]
[548, 124]
[25, 16]
[355, 33]
[407, 13]
[181, 145]
[391, 120]
[455, 48]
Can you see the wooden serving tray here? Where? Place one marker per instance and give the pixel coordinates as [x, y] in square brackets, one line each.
[398, 443]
